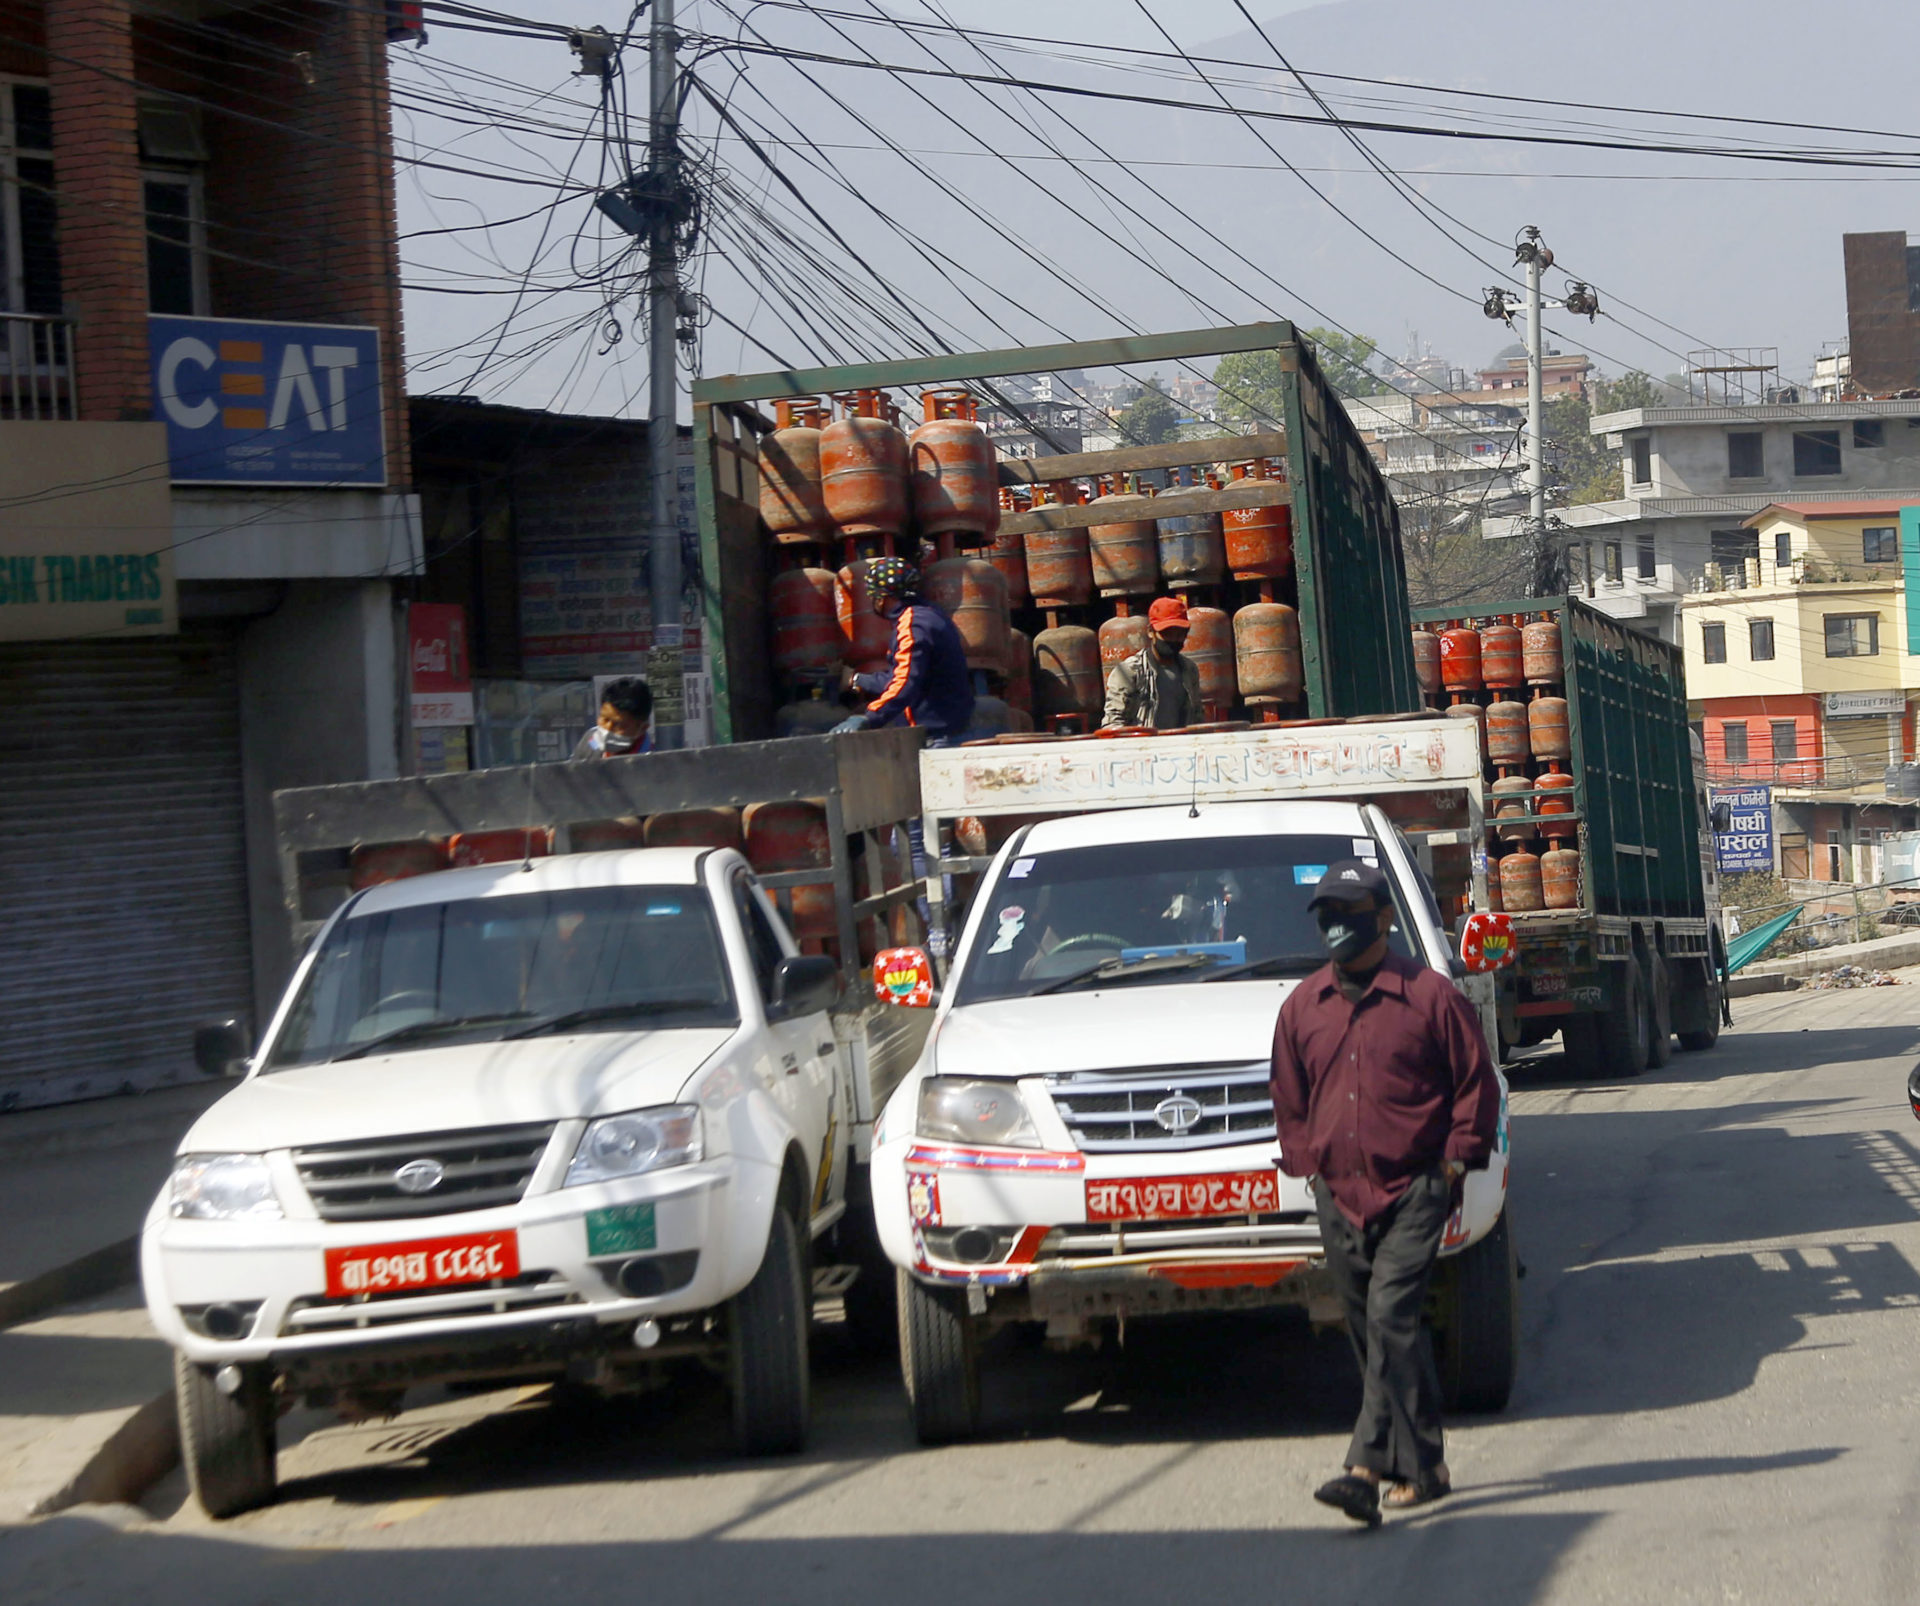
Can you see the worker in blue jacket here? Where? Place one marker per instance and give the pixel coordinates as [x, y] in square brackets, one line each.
[927, 684]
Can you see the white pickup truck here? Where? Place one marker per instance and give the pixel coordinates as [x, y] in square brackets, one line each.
[1088, 1134]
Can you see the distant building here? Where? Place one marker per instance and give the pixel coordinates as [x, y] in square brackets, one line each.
[1505, 383]
[1442, 457]
[1883, 313]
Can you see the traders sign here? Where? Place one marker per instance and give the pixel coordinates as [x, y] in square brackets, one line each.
[1747, 843]
[249, 403]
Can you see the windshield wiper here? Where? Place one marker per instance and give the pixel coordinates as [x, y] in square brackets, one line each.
[425, 1028]
[597, 1012]
[1272, 965]
[1125, 970]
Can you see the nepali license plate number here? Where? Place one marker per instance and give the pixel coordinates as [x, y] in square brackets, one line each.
[476, 1257]
[1548, 984]
[1231, 1193]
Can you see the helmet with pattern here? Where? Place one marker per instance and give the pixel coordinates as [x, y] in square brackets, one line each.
[893, 578]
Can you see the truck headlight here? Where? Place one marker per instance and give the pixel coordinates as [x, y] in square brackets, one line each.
[956, 1109]
[222, 1187]
[639, 1141]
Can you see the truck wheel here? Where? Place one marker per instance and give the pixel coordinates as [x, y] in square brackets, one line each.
[1621, 1029]
[226, 1440]
[767, 1352]
[1476, 1341]
[939, 1361]
[1706, 1010]
[1659, 1014]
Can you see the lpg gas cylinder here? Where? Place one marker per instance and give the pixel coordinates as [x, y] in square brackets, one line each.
[1507, 740]
[1560, 878]
[1462, 709]
[1460, 658]
[372, 864]
[498, 847]
[1120, 639]
[605, 836]
[811, 715]
[991, 717]
[1553, 794]
[1547, 728]
[863, 468]
[1520, 889]
[791, 500]
[1500, 656]
[1426, 661]
[1540, 651]
[805, 606]
[973, 594]
[1019, 692]
[1259, 540]
[694, 828]
[1193, 548]
[1266, 648]
[1008, 554]
[1066, 675]
[1059, 568]
[1512, 797]
[1210, 646]
[866, 640]
[1125, 554]
[793, 836]
[954, 467]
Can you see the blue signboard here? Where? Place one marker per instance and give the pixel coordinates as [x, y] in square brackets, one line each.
[249, 403]
[1748, 842]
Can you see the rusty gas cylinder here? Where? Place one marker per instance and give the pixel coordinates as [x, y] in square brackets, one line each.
[694, 828]
[863, 468]
[1066, 674]
[1560, 878]
[1547, 728]
[955, 470]
[1259, 540]
[1193, 546]
[498, 847]
[811, 715]
[1019, 690]
[973, 594]
[372, 864]
[1553, 794]
[991, 717]
[1426, 661]
[1266, 649]
[1059, 565]
[1540, 651]
[1494, 901]
[791, 500]
[1507, 741]
[805, 607]
[1210, 647]
[1120, 639]
[1008, 554]
[1462, 709]
[1512, 798]
[1126, 553]
[606, 836]
[1501, 658]
[866, 640]
[793, 836]
[1460, 658]
[1520, 889]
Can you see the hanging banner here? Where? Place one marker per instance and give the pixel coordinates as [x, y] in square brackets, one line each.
[440, 673]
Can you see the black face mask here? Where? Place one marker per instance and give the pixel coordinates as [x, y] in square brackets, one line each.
[1347, 933]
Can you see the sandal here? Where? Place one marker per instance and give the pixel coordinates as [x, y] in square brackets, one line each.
[1436, 1486]
[1353, 1496]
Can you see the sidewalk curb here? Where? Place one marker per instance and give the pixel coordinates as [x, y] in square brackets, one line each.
[1766, 982]
[97, 1273]
[142, 1451]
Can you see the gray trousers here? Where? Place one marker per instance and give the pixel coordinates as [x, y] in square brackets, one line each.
[1382, 1273]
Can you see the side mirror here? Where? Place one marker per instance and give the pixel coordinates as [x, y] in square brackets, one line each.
[1720, 816]
[803, 984]
[904, 976]
[222, 1047]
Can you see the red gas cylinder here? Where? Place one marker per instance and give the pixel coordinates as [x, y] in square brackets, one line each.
[373, 863]
[805, 607]
[955, 471]
[1259, 540]
[1066, 674]
[1553, 794]
[1266, 650]
[1460, 658]
[1126, 554]
[1512, 797]
[1019, 691]
[793, 836]
[863, 468]
[1426, 661]
[605, 836]
[973, 594]
[1008, 554]
[694, 828]
[1059, 565]
[1193, 547]
[1547, 728]
[1507, 740]
[866, 640]
[1462, 709]
[499, 847]
[1120, 639]
[1210, 646]
[1560, 878]
[1540, 651]
[1520, 889]
[1500, 656]
[791, 502]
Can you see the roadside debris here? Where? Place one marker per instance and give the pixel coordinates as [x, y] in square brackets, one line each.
[1851, 976]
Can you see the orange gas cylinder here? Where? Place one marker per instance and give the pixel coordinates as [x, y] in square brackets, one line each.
[605, 836]
[1008, 554]
[793, 836]
[1560, 878]
[812, 715]
[1426, 661]
[1125, 555]
[791, 502]
[1507, 740]
[1210, 646]
[1553, 794]
[1059, 568]
[863, 468]
[694, 828]
[1066, 674]
[1500, 656]
[973, 594]
[1462, 709]
[1540, 651]
[373, 863]
[1520, 889]
[1460, 658]
[866, 640]
[1019, 691]
[1266, 650]
[1494, 900]
[805, 608]
[499, 847]
[1259, 540]
[1512, 797]
[1120, 639]
[1193, 548]
[955, 470]
[1547, 728]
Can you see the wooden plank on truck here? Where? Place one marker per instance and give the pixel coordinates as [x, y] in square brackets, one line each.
[1134, 459]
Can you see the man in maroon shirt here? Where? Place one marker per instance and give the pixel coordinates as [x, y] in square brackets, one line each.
[1385, 1096]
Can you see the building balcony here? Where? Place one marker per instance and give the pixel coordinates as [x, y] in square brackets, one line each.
[37, 375]
[1837, 778]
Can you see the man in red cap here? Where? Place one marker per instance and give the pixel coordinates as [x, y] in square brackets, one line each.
[1158, 686]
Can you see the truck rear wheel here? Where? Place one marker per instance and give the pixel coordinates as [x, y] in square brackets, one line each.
[1700, 1008]
[1622, 1028]
[1476, 1340]
[768, 1324]
[1659, 1013]
[939, 1361]
[226, 1439]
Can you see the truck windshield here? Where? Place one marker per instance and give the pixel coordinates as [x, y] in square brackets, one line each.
[592, 959]
[1112, 912]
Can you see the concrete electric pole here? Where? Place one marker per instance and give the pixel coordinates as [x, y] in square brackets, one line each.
[665, 662]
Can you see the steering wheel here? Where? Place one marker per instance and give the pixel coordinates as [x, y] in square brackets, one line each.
[406, 998]
[1090, 939]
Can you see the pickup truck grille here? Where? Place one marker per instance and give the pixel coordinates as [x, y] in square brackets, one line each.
[479, 1169]
[1108, 1113]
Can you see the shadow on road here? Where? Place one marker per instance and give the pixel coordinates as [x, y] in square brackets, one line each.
[1545, 1068]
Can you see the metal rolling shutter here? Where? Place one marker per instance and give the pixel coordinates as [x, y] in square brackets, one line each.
[123, 892]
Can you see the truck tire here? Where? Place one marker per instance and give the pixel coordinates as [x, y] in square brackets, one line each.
[1659, 1012]
[226, 1440]
[1702, 1028]
[1476, 1340]
[1621, 1030]
[939, 1361]
[767, 1324]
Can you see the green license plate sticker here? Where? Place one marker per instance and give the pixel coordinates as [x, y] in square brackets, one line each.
[621, 1230]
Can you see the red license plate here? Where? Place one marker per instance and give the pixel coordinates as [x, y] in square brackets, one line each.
[1231, 1193]
[475, 1257]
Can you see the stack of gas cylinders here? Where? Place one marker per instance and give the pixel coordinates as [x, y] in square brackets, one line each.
[1507, 675]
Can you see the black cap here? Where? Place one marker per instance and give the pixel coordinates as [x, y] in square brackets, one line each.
[1348, 880]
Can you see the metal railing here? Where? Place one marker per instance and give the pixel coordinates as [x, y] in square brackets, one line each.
[1838, 773]
[1838, 912]
[37, 373]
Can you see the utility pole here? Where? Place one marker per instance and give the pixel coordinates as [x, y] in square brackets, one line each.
[665, 663]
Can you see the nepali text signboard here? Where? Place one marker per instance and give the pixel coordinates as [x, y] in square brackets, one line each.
[1747, 843]
[440, 673]
[252, 403]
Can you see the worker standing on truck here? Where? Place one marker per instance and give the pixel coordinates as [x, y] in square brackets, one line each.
[626, 721]
[1384, 1095]
[1159, 685]
[927, 684]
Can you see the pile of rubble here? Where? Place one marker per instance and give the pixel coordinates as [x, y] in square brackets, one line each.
[1851, 976]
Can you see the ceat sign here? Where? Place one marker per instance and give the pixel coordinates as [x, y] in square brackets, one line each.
[249, 403]
[440, 676]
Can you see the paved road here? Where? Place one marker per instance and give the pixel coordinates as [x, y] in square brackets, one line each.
[1722, 1371]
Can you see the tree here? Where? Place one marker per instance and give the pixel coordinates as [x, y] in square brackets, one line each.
[1629, 391]
[1150, 419]
[1578, 459]
[1252, 392]
[1347, 361]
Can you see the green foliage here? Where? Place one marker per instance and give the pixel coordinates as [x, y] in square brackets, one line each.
[1631, 390]
[1755, 889]
[1150, 420]
[1252, 395]
[1347, 362]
